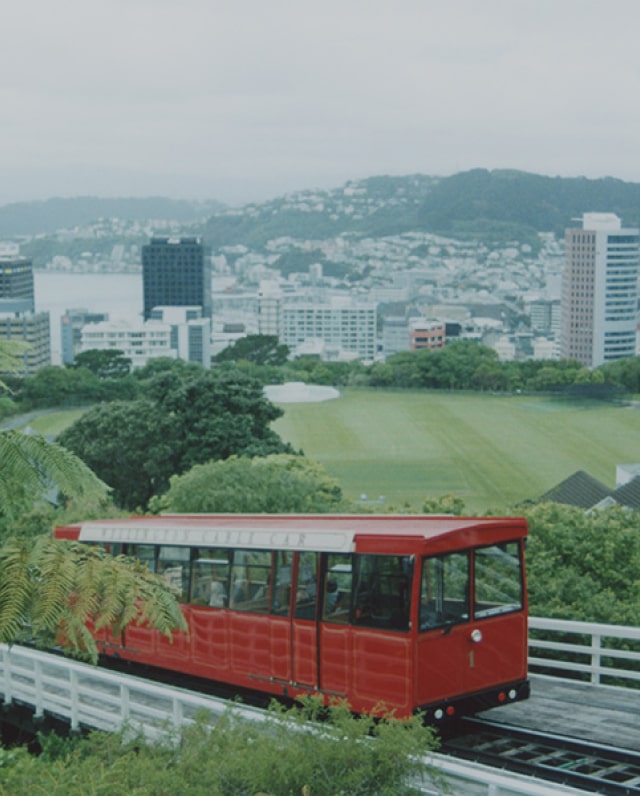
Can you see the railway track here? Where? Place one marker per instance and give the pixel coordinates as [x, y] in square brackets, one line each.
[562, 760]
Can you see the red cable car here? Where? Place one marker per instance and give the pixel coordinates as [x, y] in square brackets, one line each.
[390, 613]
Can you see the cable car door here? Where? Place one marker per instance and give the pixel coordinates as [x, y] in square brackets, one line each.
[304, 628]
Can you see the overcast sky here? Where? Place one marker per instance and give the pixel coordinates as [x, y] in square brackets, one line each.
[245, 99]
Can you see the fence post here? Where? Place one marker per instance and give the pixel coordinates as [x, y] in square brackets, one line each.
[596, 646]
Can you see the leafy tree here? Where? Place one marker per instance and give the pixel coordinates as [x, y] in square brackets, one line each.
[584, 566]
[106, 364]
[134, 446]
[220, 414]
[261, 349]
[57, 386]
[280, 483]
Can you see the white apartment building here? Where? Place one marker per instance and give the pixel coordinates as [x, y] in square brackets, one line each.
[190, 332]
[343, 327]
[347, 328]
[600, 291]
[139, 341]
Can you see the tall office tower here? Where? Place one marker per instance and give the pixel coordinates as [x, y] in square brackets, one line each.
[600, 291]
[176, 272]
[16, 284]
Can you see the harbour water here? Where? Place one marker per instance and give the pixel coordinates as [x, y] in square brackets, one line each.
[120, 295]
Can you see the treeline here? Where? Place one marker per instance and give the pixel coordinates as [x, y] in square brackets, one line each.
[461, 365]
[103, 376]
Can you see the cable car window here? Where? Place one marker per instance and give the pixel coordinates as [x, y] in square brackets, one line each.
[250, 581]
[145, 553]
[307, 586]
[337, 588]
[210, 577]
[444, 590]
[173, 565]
[282, 583]
[498, 580]
[382, 591]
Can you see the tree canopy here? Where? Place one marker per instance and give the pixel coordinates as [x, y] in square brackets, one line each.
[136, 446]
[260, 349]
[584, 566]
[106, 364]
[279, 483]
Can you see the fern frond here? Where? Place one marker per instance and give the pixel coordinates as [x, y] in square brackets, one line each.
[32, 466]
[61, 589]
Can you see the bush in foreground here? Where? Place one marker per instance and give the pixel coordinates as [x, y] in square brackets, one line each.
[289, 753]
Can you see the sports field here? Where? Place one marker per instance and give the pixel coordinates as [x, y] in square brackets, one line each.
[492, 451]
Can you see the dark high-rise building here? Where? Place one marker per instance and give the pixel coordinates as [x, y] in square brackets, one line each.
[16, 284]
[176, 272]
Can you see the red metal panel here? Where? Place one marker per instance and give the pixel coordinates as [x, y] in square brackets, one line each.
[441, 657]
[280, 648]
[382, 669]
[500, 656]
[305, 652]
[335, 659]
[209, 639]
[250, 644]
[174, 651]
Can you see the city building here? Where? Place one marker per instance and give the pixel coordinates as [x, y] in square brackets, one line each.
[138, 340]
[346, 328]
[31, 328]
[395, 335]
[426, 334]
[545, 315]
[16, 284]
[176, 272]
[600, 291]
[71, 324]
[190, 332]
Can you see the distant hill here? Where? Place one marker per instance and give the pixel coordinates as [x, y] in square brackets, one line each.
[471, 199]
[46, 217]
[495, 207]
[492, 206]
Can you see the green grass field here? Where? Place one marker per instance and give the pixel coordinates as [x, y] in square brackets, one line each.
[492, 451]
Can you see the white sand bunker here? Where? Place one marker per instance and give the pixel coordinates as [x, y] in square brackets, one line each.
[297, 392]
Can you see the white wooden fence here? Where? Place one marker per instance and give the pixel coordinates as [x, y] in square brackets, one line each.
[585, 648]
[84, 695]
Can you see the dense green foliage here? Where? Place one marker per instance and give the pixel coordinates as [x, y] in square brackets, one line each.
[288, 754]
[280, 483]
[106, 363]
[188, 418]
[584, 566]
[260, 349]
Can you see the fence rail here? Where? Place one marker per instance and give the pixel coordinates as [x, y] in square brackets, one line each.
[85, 695]
[583, 650]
